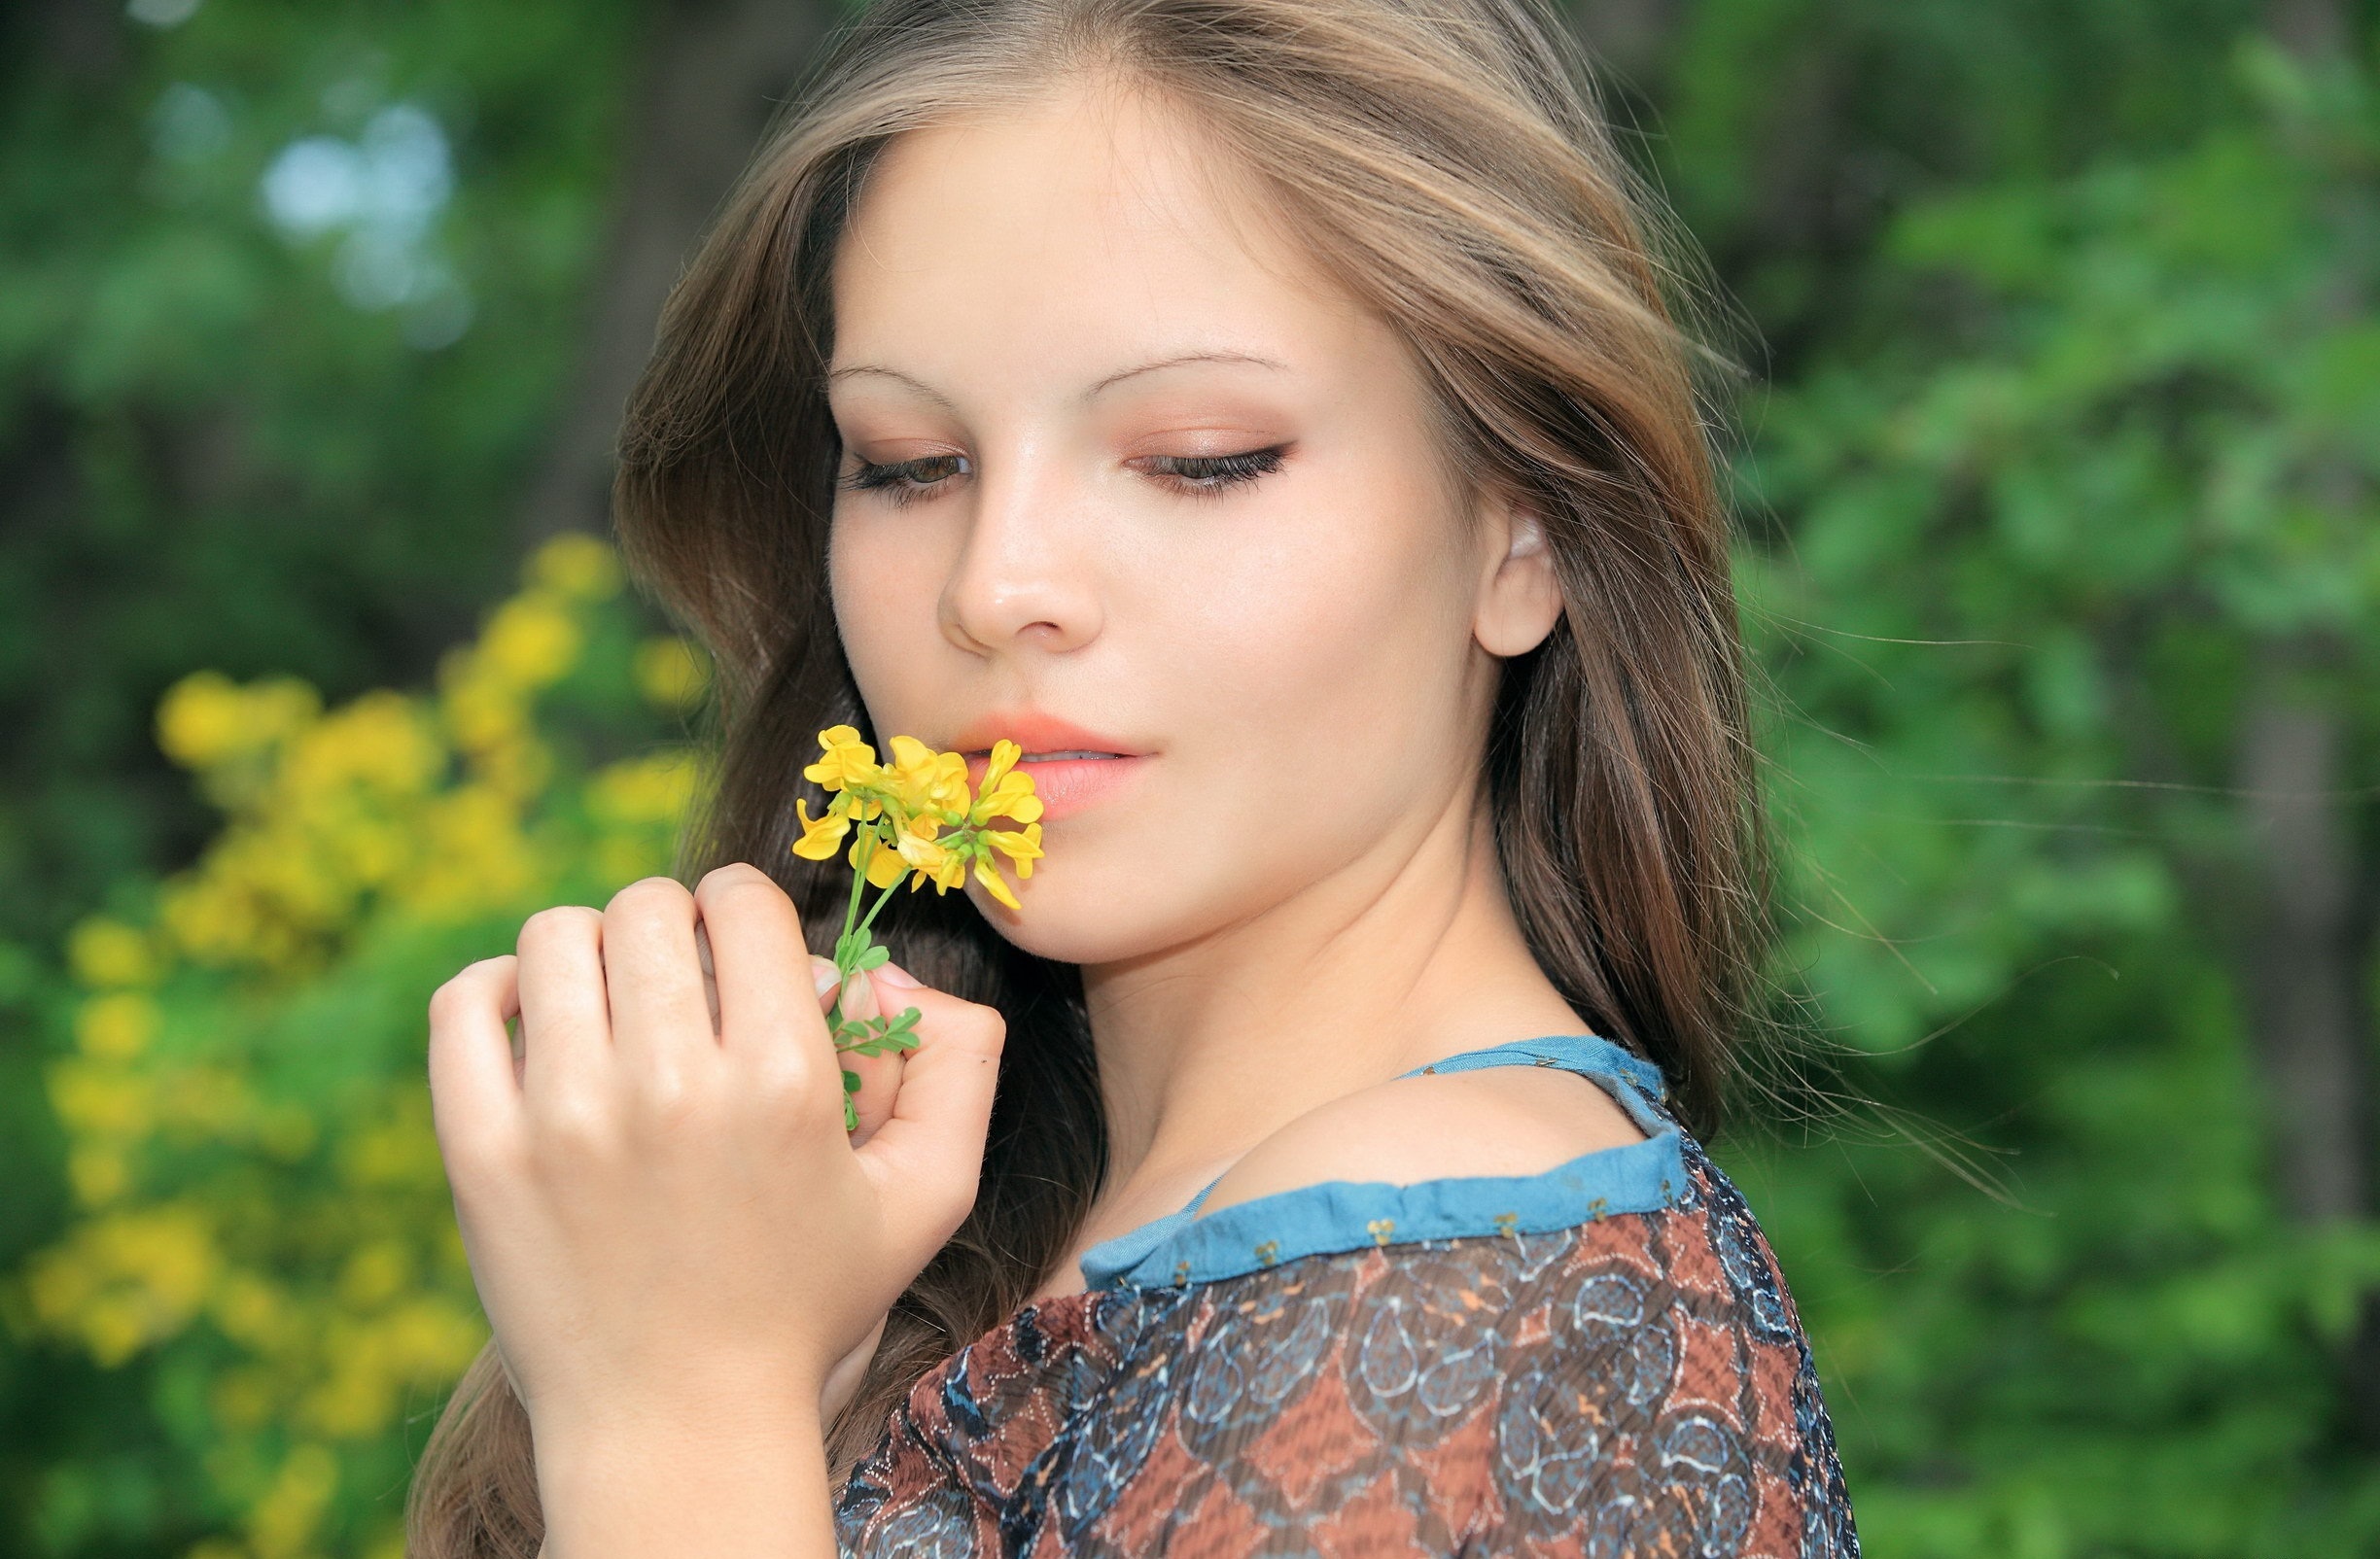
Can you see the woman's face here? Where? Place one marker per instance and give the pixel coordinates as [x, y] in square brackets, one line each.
[1115, 454]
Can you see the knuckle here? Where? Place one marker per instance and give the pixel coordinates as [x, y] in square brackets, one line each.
[666, 1099]
[445, 1003]
[556, 923]
[574, 1126]
[475, 1156]
[736, 877]
[649, 895]
[789, 1085]
[461, 991]
[983, 1028]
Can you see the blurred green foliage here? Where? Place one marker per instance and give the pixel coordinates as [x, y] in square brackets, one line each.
[2032, 550]
[2066, 464]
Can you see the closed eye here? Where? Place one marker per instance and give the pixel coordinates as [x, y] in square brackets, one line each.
[1203, 474]
[907, 480]
[904, 481]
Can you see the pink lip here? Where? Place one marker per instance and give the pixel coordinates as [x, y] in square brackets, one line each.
[1066, 785]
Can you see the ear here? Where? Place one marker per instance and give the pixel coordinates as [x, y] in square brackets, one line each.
[1519, 598]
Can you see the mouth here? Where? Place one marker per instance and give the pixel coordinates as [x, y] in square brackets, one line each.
[1067, 779]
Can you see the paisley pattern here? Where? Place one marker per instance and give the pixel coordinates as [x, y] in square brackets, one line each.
[1634, 1385]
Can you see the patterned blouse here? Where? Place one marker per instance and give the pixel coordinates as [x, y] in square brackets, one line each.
[1599, 1360]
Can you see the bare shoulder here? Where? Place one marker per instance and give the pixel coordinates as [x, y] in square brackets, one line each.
[1495, 1121]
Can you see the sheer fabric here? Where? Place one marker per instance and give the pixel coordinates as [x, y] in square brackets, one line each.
[1635, 1382]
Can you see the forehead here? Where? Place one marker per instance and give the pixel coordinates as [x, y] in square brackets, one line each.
[1069, 232]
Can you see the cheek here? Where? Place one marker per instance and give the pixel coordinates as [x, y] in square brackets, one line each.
[1339, 643]
[884, 604]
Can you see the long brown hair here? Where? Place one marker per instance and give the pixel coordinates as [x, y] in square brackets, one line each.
[1446, 160]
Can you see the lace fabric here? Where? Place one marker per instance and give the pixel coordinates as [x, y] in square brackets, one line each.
[1635, 1384]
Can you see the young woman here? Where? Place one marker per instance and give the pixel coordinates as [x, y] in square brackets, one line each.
[1267, 413]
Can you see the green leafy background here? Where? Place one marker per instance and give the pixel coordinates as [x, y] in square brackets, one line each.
[2056, 464]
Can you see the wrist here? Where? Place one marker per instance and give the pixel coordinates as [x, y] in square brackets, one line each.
[734, 1480]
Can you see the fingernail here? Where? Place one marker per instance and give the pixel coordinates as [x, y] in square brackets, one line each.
[892, 974]
[822, 974]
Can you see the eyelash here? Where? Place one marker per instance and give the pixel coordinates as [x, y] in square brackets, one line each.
[1191, 475]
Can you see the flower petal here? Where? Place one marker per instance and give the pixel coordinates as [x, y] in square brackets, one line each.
[996, 886]
[820, 835]
[885, 867]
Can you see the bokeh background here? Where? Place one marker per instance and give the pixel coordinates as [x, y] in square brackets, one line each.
[2056, 456]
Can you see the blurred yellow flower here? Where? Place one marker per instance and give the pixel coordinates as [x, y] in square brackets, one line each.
[576, 565]
[529, 642]
[117, 1026]
[207, 719]
[105, 952]
[668, 674]
[262, 1199]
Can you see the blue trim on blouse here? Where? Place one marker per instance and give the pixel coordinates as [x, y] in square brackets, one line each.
[1342, 1215]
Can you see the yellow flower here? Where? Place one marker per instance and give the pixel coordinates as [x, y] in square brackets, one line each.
[821, 835]
[933, 860]
[1004, 792]
[884, 865]
[849, 761]
[989, 875]
[1023, 848]
[920, 849]
[923, 779]
[1012, 797]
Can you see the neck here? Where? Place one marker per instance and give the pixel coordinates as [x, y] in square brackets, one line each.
[1405, 955]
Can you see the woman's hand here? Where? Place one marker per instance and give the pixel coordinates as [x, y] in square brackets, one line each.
[667, 1225]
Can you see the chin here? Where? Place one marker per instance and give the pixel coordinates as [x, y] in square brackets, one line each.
[1079, 928]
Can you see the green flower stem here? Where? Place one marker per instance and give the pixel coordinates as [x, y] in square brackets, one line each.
[852, 947]
[878, 904]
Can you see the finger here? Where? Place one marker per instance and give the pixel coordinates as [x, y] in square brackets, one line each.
[566, 1024]
[710, 972]
[927, 1157]
[756, 942]
[660, 1023]
[474, 1093]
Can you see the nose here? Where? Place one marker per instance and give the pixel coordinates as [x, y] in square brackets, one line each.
[1024, 578]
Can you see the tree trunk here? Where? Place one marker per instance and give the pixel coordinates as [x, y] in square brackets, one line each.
[718, 71]
[2309, 981]
[2306, 952]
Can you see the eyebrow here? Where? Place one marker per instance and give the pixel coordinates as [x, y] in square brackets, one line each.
[1184, 358]
[877, 371]
[873, 371]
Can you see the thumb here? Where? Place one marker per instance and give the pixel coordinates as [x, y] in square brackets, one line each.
[927, 1158]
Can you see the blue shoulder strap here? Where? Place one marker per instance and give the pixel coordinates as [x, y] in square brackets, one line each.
[1588, 1054]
